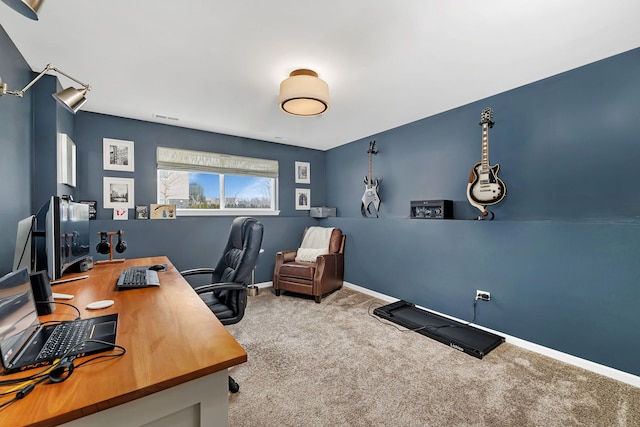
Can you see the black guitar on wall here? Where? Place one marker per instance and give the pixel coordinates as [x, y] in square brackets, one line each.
[370, 197]
[484, 187]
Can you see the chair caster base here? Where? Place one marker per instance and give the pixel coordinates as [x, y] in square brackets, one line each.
[233, 385]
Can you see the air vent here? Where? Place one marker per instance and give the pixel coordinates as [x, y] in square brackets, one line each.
[165, 117]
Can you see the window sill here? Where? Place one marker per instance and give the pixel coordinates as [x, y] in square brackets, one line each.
[226, 212]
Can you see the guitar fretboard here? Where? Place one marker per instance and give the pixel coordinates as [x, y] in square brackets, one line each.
[371, 152]
[485, 148]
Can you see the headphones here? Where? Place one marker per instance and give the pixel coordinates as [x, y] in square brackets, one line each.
[122, 245]
[62, 371]
[104, 247]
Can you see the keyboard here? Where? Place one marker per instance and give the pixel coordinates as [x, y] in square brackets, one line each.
[137, 277]
[65, 337]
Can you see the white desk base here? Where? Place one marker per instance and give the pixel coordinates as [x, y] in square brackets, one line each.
[198, 403]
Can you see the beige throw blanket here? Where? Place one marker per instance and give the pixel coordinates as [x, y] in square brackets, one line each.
[315, 242]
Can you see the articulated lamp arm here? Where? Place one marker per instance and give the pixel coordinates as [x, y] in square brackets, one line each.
[71, 98]
[49, 67]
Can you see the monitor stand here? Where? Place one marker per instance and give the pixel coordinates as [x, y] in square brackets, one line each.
[457, 335]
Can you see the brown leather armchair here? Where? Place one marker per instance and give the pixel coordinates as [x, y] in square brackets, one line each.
[316, 278]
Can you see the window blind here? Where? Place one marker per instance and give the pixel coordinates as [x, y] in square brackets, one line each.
[202, 161]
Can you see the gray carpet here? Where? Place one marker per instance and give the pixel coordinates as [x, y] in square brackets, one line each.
[332, 364]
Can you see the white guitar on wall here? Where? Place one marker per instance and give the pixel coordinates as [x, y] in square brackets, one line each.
[484, 187]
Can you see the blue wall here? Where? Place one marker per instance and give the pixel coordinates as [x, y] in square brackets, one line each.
[17, 149]
[561, 257]
[49, 120]
[188, 241]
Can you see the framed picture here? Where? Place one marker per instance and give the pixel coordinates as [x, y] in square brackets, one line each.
[303, 173]
[142, 212]
[303, 199]
[118, 193]
[166, 211]
[66, 156]
[117, 155]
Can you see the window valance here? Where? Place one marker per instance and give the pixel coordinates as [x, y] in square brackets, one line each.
[202, 161]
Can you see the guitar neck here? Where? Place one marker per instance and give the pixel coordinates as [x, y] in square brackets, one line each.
[369, 173]
[485, 148]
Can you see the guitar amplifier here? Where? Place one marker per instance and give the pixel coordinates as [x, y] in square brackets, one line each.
[432, 209]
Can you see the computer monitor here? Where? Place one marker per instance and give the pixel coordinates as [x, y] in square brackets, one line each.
[66, 236]
[24, 255]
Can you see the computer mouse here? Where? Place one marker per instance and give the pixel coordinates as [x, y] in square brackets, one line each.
[158, 267]
[100, 304]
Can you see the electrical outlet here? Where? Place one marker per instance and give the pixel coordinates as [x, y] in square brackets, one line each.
[483, 295]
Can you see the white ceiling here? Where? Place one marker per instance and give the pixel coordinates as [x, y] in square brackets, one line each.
[217, 65]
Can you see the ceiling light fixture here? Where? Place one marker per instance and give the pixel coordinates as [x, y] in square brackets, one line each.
[304, 94]
[70, 98]
[27, 8]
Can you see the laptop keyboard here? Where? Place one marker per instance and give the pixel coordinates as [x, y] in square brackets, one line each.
[138, 278]
[65, 338]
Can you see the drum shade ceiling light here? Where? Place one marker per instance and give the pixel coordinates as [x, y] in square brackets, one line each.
[27, 8]
[70, 98]
[304, 94]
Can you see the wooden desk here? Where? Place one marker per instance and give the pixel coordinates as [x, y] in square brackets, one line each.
[175, 366]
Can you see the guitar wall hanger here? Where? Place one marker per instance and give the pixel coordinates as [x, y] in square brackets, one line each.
[486, 216]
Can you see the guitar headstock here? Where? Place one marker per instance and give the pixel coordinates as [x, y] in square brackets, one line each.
[485, 118]
[372, 148]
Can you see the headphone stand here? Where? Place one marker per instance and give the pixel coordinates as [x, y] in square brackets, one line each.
[104, 261]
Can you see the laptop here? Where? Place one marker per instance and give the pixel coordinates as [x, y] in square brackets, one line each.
[26, 343]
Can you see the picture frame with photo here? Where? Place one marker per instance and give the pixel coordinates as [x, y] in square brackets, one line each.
[118, 193]
[142, 212]
[118, 155]
[303, 199]
[303, 173]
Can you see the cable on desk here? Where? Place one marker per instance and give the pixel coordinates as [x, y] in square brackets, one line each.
[44, 372]
[59, 371]
[62, 303]
[101, 355]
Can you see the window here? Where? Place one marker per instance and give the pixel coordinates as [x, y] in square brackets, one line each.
[202, 183]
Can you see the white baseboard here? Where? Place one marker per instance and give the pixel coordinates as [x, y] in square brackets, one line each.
[264, 284]
[615, 374]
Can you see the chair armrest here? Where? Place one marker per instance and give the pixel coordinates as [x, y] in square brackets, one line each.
[194, 271]
[329, 263]
[328, 259]
[287, 256]
[329, 273]
[222, 286]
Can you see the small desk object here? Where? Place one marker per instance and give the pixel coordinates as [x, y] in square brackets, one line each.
[174, 371]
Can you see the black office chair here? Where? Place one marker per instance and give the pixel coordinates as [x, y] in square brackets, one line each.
[226, 295]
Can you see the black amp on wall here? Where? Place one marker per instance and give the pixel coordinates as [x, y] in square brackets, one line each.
[432, 209]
